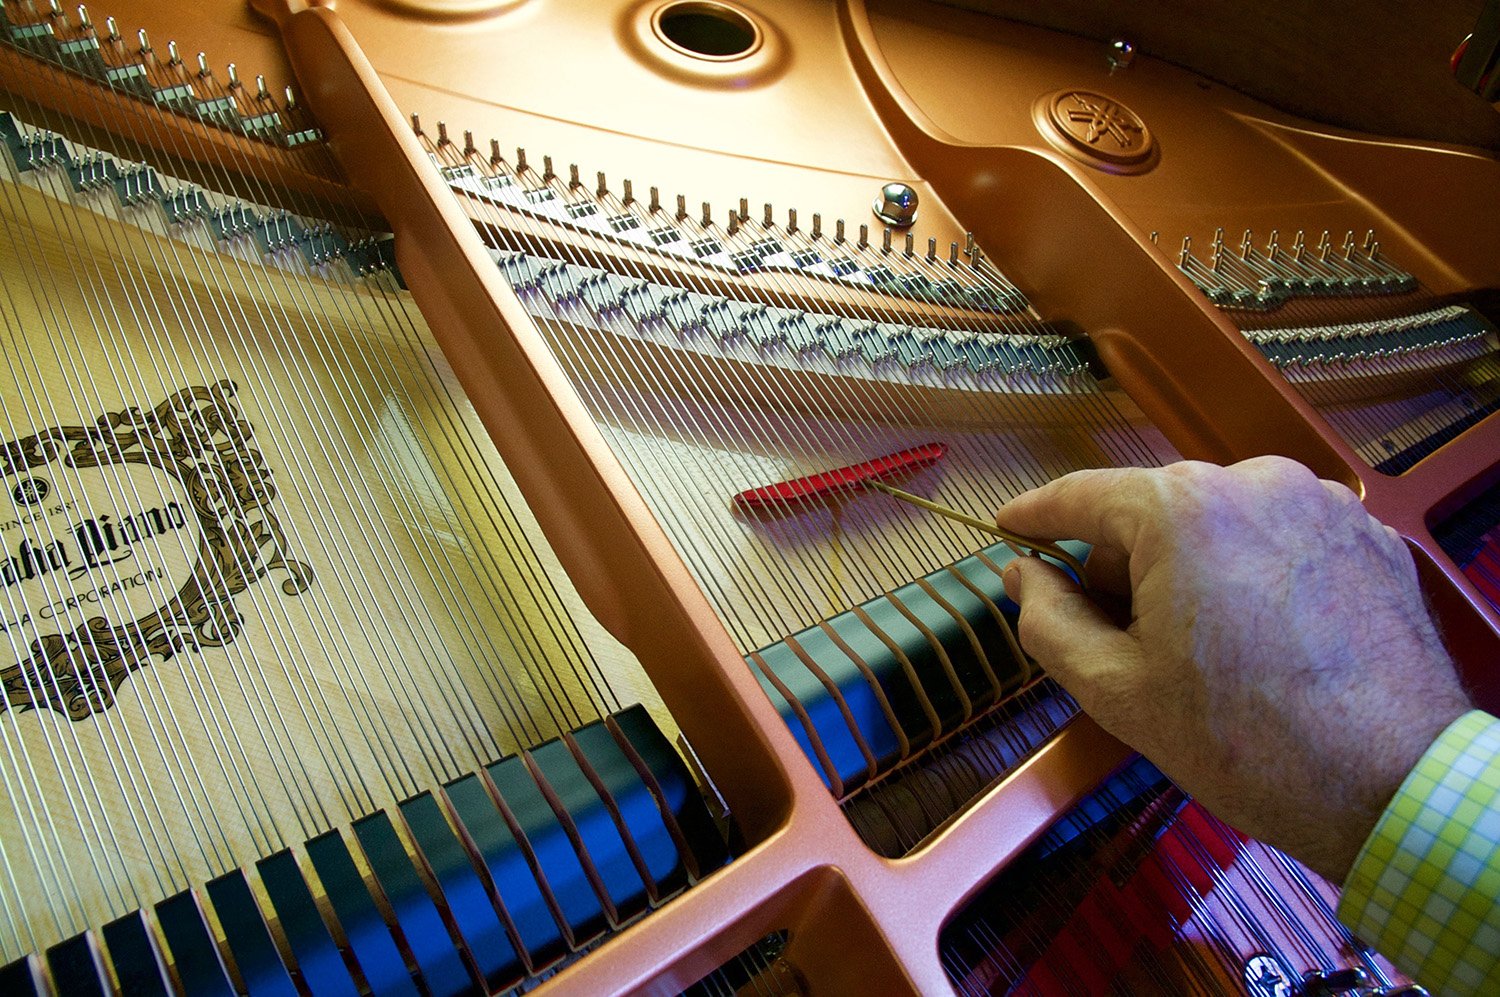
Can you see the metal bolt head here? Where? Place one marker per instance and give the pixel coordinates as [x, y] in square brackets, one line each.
[896, 205]
[1121, 54]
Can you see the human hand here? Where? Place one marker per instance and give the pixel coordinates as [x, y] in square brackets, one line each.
[1279, 662]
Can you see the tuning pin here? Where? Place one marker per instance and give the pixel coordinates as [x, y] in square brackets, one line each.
[968, 243]
[83, 18]
[627, 192]
[173, 58]
[521, 166]
[469, 148]
[734, 222]
[261, 93]
[547, 175]
[910, 249]
[791, 221]
[1186, 252]
[655, 204]
[234, 77]
[681, 208]
[144, 41]
[495, 159]
[1154, 236]
[744, 209]
[885, 240]
[953, 254]
[601, 188]
[111, 30]
[769, 218]
[573, 182]
[838, 232]
[442, 133]
[203, 71]
[708, 219]
[291, 98]
[931, 250]
[864, 237]
[817, 226]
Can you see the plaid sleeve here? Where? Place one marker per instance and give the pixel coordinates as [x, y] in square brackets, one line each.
[1425, 889]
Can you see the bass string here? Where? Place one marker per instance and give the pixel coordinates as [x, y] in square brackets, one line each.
[1276, 898]
[1060, 890]
[1221, 886]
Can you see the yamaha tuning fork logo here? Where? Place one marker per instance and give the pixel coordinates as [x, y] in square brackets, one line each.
[31, 491]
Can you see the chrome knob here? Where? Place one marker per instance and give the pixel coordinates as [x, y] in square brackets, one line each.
[1121, 54]
[896, 205]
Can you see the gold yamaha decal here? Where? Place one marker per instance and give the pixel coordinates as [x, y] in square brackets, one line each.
[127, 541]
[1096, 129]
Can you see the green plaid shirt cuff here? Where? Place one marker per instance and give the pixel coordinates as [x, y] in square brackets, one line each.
[1425, 889]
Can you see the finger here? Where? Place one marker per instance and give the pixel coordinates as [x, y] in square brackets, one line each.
[1068, 635]
[1106, 506]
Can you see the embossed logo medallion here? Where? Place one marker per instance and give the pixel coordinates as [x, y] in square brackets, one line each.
[1097, 129]
[126, 542]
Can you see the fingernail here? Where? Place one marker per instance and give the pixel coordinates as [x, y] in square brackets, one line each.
[1010, 577]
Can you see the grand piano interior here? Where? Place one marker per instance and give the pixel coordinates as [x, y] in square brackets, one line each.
[444, 538]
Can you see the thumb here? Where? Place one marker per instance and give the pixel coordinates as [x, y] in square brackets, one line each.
[1065, 631]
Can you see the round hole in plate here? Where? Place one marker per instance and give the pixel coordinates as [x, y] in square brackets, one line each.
[706, 30]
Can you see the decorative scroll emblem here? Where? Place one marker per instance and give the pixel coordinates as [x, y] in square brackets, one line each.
[1098, 130]
[127, 541]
